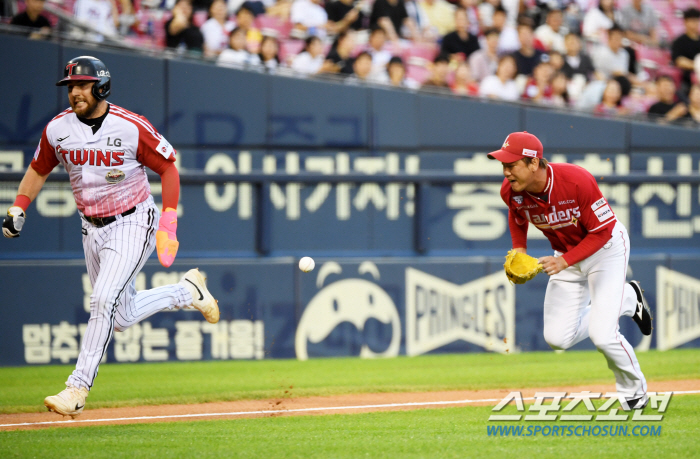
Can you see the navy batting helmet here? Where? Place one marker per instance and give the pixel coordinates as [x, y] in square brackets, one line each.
[88, 68]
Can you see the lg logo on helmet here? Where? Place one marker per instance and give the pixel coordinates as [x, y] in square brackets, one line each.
[102, 73]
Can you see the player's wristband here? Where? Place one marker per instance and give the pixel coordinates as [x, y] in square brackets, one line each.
[22, 201]
[166, 240]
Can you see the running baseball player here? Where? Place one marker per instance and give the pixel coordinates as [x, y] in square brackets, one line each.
[587, 292]
[105, 149]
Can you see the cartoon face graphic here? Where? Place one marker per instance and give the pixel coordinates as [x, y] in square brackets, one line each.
[348, 300]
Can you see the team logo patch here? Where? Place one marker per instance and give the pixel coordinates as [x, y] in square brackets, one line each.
[518, 199]
[530, 153]
[115, 176]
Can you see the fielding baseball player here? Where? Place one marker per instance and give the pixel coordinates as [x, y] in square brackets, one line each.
[587, 292]
[105, 149]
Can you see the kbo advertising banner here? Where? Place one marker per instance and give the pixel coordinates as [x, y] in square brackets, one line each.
[345, 307]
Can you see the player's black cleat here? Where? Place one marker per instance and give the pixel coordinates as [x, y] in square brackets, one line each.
[638, 403]
[643, 314]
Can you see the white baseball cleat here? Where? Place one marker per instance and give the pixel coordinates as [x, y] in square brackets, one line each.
[202, 299]
[68, 402]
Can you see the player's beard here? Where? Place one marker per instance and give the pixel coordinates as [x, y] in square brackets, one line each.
[84, 111]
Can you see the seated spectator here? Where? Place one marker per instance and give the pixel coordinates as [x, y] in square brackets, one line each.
[244, 21]
[694, 104]
[508, 41]
[484, 62]
[599, 20]
[639, 21]
[438, 73]
[361, 69]
[576, 61]
[557, 61]
[463, 83]
[687, 46]
[611, 103]
[460, 44]
[237, 55]
[32, 18]
[279, 9]
[668, 107]
[440, 15]
[180, 33]
[396, 75]
[550, 33]
[311, 59]
[472, 13]
[560, 91]
[269, 53]
[380, 56]
[502, 84]
[538, 87]
[216, 29]
[339, 58]
[527, 57]
[612, 59]
[309, 17]
[344, 15]
[391, 15]
[257, 7]
[102, 15]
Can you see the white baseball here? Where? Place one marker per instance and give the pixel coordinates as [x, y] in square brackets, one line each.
[307, 264]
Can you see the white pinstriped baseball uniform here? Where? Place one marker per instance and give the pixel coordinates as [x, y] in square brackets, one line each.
[108, 177]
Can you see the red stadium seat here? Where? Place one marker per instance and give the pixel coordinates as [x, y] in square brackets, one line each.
[270, 25]
[290, 48]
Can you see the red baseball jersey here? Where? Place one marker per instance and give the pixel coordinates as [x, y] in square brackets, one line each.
[106, 169]
[573, 206]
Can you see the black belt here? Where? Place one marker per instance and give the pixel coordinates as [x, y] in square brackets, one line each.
[104, 221]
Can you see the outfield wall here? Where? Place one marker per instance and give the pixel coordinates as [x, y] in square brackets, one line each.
[445, 294]
[346, 307]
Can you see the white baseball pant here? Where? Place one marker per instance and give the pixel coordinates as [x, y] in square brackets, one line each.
[586, 300]
[114, 255]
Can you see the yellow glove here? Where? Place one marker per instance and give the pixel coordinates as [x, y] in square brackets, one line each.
[520, 267]
[166, 241]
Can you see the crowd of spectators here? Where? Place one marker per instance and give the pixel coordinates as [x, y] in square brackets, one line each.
[610, 57]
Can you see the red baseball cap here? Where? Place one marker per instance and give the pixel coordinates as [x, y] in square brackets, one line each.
[518, 145]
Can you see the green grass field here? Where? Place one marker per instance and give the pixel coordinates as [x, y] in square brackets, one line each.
[453, 432]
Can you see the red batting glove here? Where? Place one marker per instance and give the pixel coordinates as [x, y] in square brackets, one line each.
[166, 241]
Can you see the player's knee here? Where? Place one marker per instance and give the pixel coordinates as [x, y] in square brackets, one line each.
[600, 338]
[556, 340]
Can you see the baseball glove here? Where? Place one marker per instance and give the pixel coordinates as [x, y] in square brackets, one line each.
[521, 268]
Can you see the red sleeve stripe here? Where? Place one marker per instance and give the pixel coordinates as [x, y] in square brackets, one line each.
[134, 119]
[614, 219]
[140, 118]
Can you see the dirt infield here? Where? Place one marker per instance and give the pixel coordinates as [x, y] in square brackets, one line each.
[296, 406]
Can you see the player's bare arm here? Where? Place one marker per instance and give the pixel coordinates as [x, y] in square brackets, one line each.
[31, 184]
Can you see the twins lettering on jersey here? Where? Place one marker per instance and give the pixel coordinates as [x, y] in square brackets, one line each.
[91, 156]
[555, 219]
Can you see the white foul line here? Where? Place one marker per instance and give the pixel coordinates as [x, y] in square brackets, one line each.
[293, 410]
